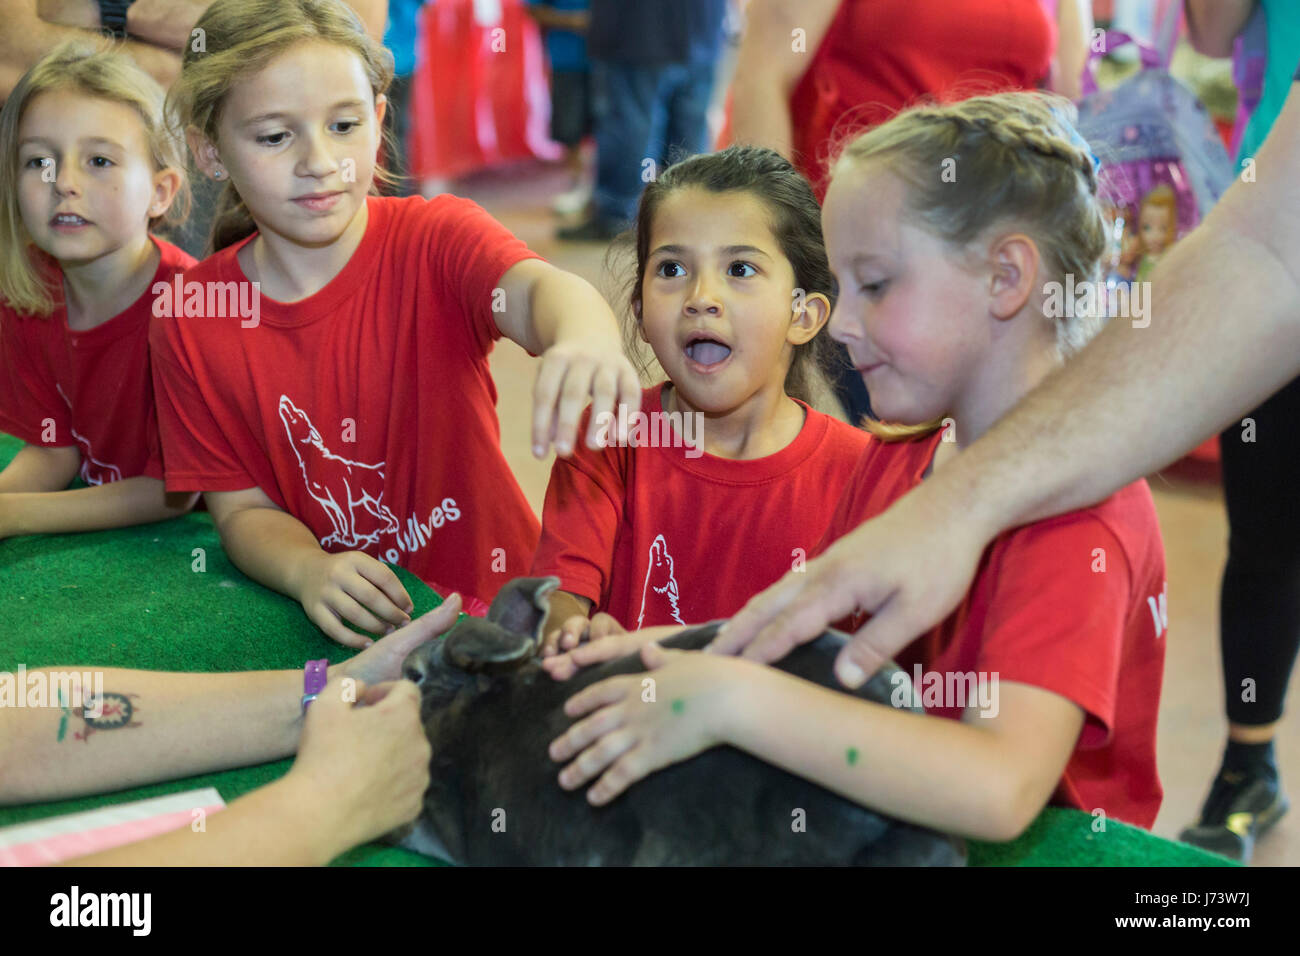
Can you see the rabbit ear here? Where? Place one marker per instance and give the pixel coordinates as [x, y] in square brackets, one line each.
[521, 605]
[509, 635]
[480, 646]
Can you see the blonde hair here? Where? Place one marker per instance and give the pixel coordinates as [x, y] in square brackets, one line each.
[239, 38]
[1018, 161]
[97, 72]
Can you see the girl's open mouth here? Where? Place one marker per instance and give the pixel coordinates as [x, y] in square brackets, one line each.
[705, 353]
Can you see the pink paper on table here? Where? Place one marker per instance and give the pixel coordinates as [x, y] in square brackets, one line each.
[79, 834]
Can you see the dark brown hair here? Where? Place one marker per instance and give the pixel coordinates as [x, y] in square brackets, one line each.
[795, 222]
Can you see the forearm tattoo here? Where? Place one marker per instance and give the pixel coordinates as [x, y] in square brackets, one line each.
[114, 711]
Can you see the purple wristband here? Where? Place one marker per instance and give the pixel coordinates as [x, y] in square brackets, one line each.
[313, 681]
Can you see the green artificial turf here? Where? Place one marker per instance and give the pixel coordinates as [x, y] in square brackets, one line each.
[133, 598]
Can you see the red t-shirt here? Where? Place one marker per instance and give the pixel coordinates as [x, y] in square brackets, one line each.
[653, 536]
[91, 389]
[367, 410]
[879, 56]
[1073, 604]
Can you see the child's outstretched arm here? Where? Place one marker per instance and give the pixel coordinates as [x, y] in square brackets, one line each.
[562, 318]
[985, 777]
[274, 548]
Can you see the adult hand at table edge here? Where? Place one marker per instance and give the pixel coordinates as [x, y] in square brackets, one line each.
[908, 567]
[382, 660]
[371, 761]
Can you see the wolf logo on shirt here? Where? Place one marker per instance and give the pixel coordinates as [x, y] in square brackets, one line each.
[659, 581]
[340, 486]
[93, 471]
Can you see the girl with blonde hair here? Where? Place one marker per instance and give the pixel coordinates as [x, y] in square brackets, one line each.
[89, 169]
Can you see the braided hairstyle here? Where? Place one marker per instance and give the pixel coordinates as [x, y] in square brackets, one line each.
[1013, 159]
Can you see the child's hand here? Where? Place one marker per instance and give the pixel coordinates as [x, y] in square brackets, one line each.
[610, 647]
[572, 372]
[577, 629]
[641, 724]
[353, 586]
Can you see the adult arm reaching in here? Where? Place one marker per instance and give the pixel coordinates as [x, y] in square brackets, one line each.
[1223, 334]
[361, 769]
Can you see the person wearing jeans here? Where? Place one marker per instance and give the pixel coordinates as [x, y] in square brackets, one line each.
[652, 72]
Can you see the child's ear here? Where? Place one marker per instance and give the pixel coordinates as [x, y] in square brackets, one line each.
[1015, 262]
[205, 154]
[381, 108]
[166, 184]
[810, 313]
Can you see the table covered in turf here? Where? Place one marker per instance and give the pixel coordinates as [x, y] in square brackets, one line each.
[132, 598]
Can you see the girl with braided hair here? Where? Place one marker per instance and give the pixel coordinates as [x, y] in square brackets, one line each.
[948, 229]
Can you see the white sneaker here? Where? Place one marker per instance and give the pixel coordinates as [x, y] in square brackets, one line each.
[573, 201]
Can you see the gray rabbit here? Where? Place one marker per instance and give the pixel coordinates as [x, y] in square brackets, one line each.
[491, 711]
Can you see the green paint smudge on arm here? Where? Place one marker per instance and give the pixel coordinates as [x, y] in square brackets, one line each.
[63, 721]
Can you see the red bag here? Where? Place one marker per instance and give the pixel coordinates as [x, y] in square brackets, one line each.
[479, 95]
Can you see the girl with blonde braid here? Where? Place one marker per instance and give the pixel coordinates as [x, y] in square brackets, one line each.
[948, 229]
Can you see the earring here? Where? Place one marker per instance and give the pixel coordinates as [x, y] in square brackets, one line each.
[218, 174]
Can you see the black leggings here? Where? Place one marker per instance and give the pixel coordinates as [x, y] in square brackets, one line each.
[1259, 612]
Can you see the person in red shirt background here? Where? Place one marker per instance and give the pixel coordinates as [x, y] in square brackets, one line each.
[348, 418]
[809, 69]
[88, 168]
[731, 290]
[942, 306]
[811, 72]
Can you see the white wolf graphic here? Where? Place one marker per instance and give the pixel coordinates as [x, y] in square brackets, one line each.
[339, 485]
[93, 471]
[659, 579]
